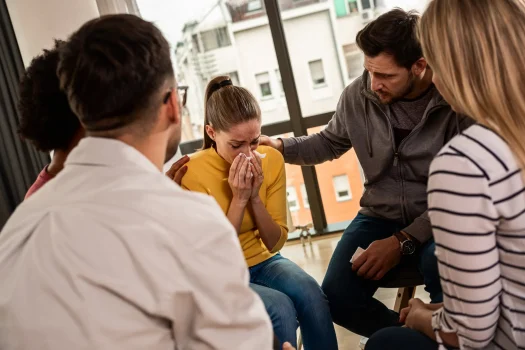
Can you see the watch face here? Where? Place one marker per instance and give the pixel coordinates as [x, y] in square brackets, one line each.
[408, 247]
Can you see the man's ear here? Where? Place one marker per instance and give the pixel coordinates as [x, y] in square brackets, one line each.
[173, 102]
[419, 66]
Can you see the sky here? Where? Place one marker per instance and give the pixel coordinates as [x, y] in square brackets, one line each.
[171, 15]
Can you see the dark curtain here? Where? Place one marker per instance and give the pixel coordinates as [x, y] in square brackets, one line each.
[20, 162]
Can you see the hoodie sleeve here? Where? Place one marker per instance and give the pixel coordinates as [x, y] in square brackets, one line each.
[329, 144]
[420, 228]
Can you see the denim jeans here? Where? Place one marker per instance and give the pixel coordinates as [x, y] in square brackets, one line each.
[395, 338]
[351, 297]
[290, 295]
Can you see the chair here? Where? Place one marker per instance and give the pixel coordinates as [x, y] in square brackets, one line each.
[405, 279]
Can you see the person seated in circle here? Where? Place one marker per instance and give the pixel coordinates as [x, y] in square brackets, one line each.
[248, 182]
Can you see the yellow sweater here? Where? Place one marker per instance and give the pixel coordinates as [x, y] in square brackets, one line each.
[208, 173]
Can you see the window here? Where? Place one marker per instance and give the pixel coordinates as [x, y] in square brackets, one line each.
[354, 60]
[306, 204]
[352, 6]
[215, 38]
[263, 81]
[254, 5]
[317, 73]
[342, 188]
[367, 4]
[195, 42]
[291, 195]
[234, 78]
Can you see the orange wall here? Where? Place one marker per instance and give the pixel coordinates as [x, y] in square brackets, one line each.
[335, 211]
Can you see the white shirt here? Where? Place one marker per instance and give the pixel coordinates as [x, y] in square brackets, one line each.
[477, 211]
[111, 254]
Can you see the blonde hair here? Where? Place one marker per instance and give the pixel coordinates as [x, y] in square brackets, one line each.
[475, 47]
[226, 105]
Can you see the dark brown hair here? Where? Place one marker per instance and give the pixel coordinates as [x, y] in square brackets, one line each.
[394, 33]
[113, 69]
[226, 105]
[46, 119]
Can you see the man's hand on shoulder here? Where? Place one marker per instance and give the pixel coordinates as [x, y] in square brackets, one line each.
[178, 170]
[274, 143]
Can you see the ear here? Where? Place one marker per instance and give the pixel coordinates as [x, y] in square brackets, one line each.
[174, 112]
[419, 66]
[210, 131]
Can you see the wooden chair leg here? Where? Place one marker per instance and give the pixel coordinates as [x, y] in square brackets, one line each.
[403, 296]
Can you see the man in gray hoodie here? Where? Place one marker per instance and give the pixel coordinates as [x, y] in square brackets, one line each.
[396, 121]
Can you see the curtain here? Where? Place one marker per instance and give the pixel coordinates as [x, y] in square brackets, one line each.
[20, 162]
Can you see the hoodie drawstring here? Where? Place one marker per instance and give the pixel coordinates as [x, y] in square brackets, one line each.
[368, 140]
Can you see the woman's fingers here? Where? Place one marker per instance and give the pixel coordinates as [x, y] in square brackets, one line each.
[249, 173]
[242, 171]
[234, 167]
[257, 164]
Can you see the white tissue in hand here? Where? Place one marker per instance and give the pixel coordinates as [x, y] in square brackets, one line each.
[358, 252]
[262, 156]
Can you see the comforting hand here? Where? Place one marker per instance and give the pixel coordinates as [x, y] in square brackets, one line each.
[258, 176]
[240, 178]
[274, 143]
[178, 169]
[378, 259]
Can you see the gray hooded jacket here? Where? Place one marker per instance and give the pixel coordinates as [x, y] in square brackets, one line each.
[396, 178]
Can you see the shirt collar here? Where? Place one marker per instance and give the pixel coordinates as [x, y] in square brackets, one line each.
[108, 152]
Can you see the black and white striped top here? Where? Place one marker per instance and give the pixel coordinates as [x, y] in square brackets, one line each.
[477, 211]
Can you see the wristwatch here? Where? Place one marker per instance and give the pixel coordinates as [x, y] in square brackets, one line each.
[406, 245]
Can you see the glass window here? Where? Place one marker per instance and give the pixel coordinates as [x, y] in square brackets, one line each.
[215, 38]
[352, 6]
[291, 195]
[254, 5]
[234, 78]
[342, 188]
[263, 80]
[367, 4]
[317, 73]
[354, 60]
[306, 204]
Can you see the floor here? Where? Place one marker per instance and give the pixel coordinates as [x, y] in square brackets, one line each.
[314, 259]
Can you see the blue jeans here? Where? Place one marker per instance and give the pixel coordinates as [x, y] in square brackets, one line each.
[290, 295]
[351, 297]
[395, 338]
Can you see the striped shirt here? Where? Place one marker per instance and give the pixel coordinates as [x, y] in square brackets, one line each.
[477, 211]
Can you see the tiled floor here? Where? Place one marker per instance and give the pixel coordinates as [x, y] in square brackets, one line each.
[314, 259]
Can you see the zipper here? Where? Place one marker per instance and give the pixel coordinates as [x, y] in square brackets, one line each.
[404, 212]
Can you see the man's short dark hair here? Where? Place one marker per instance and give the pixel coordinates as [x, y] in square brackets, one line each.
[394, 33]
[112, 69]
[45, 116]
